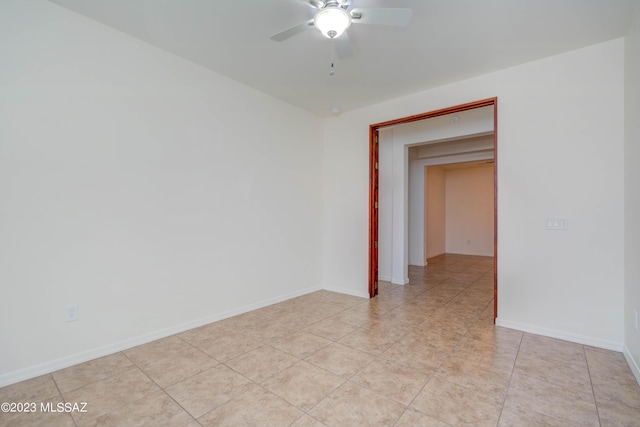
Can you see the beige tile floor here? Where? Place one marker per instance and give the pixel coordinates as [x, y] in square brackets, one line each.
[426, 354]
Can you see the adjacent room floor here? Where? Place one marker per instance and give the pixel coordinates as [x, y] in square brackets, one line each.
[424, 354]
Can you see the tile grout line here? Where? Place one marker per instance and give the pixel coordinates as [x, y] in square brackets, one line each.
[73, 420]
[593, 392]
[513, 369]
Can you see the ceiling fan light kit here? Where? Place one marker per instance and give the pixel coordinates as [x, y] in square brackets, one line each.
[333, 17]
[332, 21]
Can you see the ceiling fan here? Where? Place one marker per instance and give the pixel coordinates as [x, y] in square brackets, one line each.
[333, 17]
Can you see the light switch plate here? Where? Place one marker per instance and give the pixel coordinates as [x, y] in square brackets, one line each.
[556, 224]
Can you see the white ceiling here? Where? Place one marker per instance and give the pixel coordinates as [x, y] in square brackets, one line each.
[446, 41]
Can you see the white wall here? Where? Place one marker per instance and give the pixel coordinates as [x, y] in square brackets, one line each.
[632, 192]
[436, 209]
[469, 210]
[563, 113]
[385, 206]
[152, 192]
[400, 200]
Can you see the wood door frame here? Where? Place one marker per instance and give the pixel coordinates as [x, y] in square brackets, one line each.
[374, 157]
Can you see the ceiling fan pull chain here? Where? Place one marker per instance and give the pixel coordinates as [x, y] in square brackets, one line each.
[332, 71]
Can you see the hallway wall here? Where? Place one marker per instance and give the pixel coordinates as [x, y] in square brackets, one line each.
[469, 210]
[436, 212]
[632, 193]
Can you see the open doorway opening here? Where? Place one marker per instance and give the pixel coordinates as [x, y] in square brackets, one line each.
[458, 211]
[405, 137]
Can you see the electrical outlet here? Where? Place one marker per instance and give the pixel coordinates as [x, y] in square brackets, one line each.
[71, 312]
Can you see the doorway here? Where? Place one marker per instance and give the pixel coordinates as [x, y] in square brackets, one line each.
[374, 155]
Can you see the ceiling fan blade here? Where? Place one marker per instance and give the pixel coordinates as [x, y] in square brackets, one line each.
[343, 46]
[382, 16]
[292, 31]
[315, 3]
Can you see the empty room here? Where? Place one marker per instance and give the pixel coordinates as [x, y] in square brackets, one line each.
[319, 213]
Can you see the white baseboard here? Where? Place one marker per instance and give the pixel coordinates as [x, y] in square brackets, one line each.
[74, 359]
[346, 291]
[435, 254]
[393, 281]
[633, 364]
[490, 254]
[566, 336]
